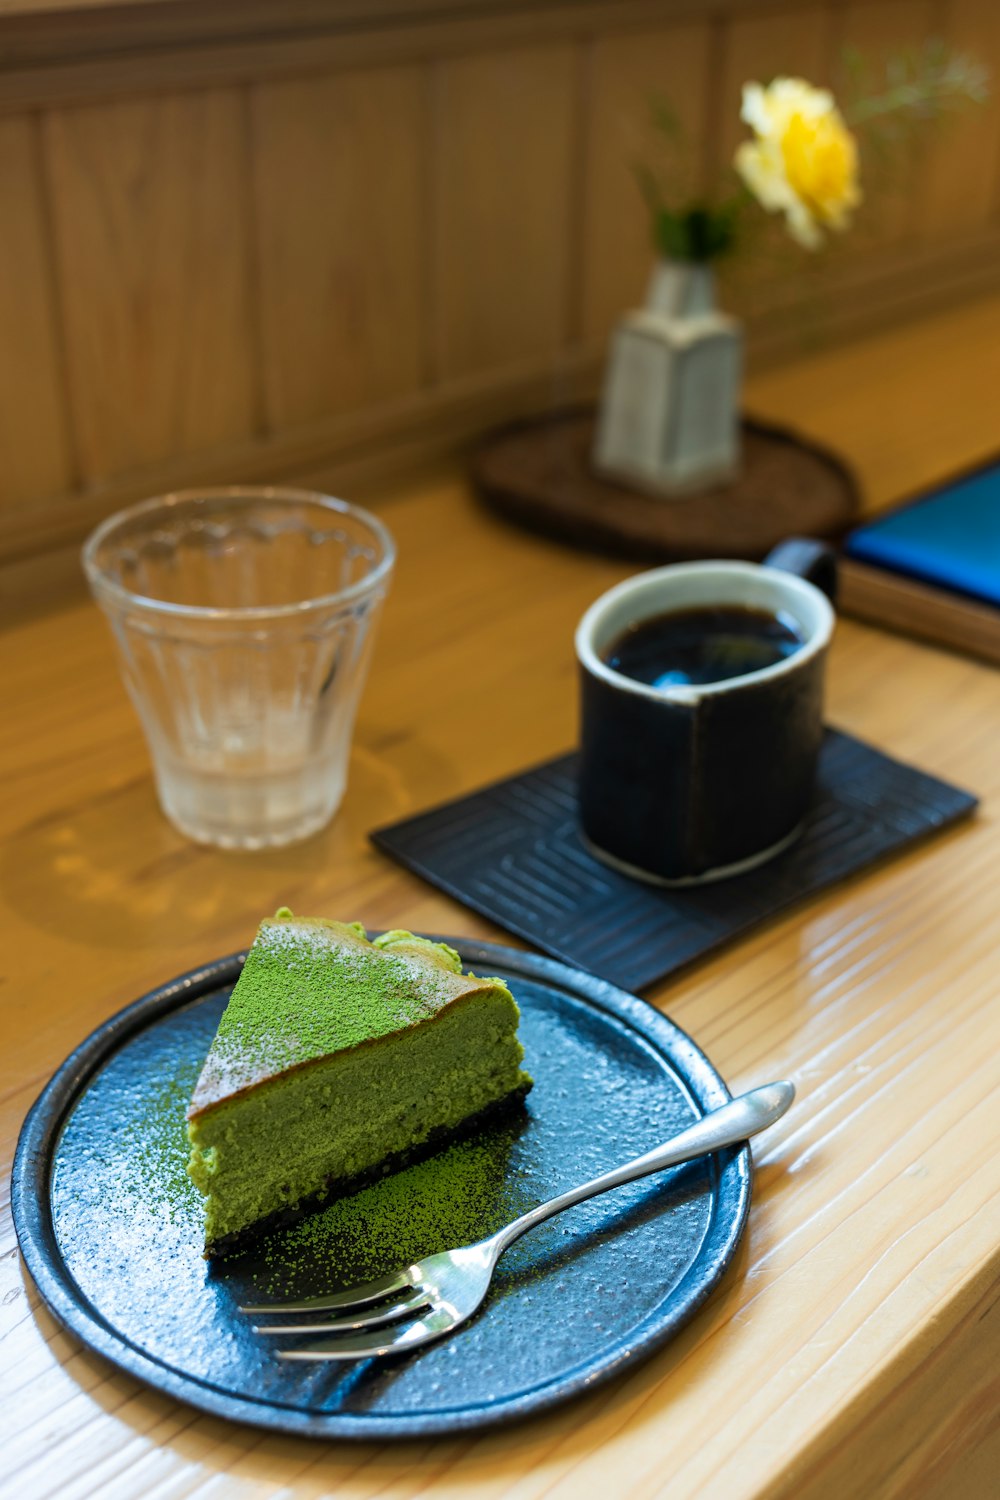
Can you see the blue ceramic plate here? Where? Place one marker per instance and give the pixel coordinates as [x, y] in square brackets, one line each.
[110, 1228]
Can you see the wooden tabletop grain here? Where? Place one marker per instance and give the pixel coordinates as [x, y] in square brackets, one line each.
[853, 1348]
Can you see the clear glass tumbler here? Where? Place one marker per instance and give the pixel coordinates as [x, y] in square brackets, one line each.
[244, 620]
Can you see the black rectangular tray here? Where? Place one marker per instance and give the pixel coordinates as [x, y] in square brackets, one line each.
[513, 852]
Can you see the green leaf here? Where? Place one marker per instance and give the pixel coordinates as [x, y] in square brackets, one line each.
[700, 232]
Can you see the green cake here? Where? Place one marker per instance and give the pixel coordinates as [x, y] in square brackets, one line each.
[336, 1060]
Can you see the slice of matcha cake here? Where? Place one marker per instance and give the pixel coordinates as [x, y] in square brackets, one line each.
[337, 1059]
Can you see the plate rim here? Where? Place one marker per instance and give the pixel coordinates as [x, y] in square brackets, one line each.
[31, 1209]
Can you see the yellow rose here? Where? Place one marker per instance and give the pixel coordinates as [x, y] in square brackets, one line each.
[803, 161]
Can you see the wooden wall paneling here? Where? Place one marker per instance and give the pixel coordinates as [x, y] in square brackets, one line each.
[34, 430]
[961, 182]
[892, 182]
[502, 199]
[152, 232]
[626, 74]
[419, 230]
[101, 53]
[340, 214]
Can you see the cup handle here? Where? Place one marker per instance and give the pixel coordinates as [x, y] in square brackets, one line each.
[812, 560]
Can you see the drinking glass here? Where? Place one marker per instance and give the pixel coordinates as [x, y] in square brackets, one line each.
[244, 619]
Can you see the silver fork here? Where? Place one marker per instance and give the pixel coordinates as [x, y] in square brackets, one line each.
[422, 1302]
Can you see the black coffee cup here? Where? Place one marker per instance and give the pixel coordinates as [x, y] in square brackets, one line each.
[698, 781]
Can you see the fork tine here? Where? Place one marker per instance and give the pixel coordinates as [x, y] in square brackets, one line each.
[396, 1341]
[357, 1296]
[417, 1303]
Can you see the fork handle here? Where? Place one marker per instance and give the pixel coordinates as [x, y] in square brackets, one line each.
[726, 1126]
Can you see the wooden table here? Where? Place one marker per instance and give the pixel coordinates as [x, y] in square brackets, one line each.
[853, 1348]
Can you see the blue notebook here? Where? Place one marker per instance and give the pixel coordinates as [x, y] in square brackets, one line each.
[949, 538]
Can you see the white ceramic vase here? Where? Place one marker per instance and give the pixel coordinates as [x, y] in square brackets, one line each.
[669, 415]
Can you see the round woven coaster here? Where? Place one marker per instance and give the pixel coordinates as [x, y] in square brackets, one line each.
[538, 473]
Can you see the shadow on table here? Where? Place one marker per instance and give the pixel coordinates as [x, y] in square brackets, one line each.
[115, 874]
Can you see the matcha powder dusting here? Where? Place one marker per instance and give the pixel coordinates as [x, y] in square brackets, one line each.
[456, 1197]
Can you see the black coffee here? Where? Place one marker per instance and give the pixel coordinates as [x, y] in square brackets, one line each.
[703, 645]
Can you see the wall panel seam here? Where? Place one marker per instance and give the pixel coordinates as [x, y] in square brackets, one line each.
[429, 361]
[711, 124]
[576, 219]
[436, 353]
[46, 196]
[260, 416]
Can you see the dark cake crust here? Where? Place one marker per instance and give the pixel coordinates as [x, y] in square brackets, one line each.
[342, 1187]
